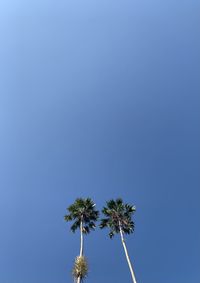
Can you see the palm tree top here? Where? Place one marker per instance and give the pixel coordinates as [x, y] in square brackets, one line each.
[118, 216]
[82, 210]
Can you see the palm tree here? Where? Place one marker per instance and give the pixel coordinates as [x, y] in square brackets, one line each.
[83, 212]
[119, 220]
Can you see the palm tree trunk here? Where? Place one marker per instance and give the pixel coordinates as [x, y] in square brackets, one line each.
[81, 230]
[127, 255]
[81, 248]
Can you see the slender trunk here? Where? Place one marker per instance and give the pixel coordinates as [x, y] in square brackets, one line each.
[81, 230]
[127, 255]
[81, 248]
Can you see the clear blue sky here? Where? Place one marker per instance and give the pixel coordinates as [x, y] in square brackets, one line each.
[99, 99]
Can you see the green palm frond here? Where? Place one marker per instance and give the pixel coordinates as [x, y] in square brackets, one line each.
[118, 214]
[75, 226]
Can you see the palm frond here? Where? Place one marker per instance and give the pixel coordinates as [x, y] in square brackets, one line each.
[75, 225]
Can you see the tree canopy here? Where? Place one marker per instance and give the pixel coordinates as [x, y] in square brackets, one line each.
[82, 210]
[118, 216]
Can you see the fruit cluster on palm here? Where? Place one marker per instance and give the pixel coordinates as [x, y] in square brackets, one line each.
[118, 219]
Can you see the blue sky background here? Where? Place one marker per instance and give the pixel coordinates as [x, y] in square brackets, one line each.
[99, 99]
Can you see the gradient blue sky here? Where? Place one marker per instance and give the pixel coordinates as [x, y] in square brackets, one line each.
[100, 99]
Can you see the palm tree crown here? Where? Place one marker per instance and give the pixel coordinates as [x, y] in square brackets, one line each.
[118, 216]
[82, 210]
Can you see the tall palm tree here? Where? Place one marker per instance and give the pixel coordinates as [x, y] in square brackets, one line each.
[119, 220]
[84, 214]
